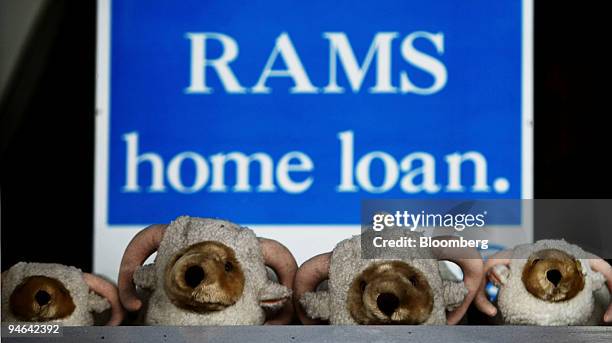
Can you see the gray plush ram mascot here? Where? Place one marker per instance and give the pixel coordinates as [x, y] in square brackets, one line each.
[406, 289]
[207, 272]
[56, 294]
[549, 282]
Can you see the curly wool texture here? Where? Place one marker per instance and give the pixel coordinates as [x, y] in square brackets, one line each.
[518, 306]
[346, 263]
[185, 231]
[85, 301]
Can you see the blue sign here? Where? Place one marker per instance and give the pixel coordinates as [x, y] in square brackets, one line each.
[292, 112]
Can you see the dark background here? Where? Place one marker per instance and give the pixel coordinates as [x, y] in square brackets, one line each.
[47, 126]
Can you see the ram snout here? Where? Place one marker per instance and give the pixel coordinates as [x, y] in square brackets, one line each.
[41, 298]
[390, 293]
[204, 277]
[553, 275]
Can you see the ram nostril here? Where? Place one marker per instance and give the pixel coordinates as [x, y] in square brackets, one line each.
[194, 276]
[387, 303]
[554, 276]
[42, 298]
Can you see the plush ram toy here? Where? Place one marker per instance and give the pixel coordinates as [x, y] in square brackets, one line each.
[207, 272]
[550, 282]
[389, 290]
[54, 293]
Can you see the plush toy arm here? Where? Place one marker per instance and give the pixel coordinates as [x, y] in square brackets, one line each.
[454, 293]
[96, 303]
[273, 296]
[144, 277]
[316, 304]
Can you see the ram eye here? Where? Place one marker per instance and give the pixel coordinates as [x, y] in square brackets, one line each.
[362, 285]
[413, 280]
[229, 266]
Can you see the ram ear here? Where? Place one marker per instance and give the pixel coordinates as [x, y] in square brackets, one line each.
[598, 280]
[316, 304]
[143, 245]
[273, 296]
[499, 274]
[454, 293]
[145, 276]
[470, 262]
[109, 292]
[96, 303]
